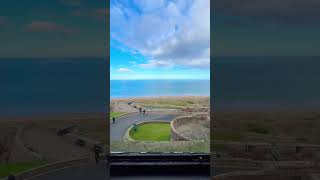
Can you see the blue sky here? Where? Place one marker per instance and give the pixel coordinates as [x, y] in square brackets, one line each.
[163, 39]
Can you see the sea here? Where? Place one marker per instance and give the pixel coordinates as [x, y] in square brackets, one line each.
[41, 87]
[266, 83]
[157, 88]
[33, 86]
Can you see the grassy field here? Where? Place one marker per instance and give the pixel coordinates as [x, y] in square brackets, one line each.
[115, 114]
[277, 126]
[228, 136]
[171, 102]
[152, 132]
[6, 169]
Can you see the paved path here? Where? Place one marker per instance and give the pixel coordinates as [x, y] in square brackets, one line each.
[84, 172]
[51, 146]
[118, 130]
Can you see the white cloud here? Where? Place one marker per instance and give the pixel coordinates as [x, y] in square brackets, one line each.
[173, 33]
[149, 5]
[124, 70]
[157, 63]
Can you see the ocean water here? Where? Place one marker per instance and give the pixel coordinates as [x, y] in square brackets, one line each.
[154, 88]
[31, 87]
[266, 83]
[54, 86]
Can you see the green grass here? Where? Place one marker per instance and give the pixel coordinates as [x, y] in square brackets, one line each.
[6, 169]
[156, 131]
[257, 128]
[226, 136]
[115, 114]
[170, 103]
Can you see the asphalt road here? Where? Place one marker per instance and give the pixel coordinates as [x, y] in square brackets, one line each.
[118, 130]
[84, 172]
[99, 172]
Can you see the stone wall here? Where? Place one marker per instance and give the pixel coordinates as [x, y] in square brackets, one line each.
[263, 151]
[195, 127]
[175, 135]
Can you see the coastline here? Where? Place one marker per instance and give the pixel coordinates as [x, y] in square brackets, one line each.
[53, 117]
[159, 97]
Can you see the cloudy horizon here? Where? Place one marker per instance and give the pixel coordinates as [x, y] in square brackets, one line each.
[160, 39]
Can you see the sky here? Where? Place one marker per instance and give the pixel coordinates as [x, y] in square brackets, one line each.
[163, 39]
[53, 28]
[170, 34]
[266, 28]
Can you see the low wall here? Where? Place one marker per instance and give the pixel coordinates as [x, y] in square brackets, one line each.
[314, 177]
[72, 138]
[255, 175]
[175, 135]
[263, 151]
[178, 121]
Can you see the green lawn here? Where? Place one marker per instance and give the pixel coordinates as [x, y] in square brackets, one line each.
[115, 114]
[6, 169]
[257, 128]
[226, 136]
[156, 131]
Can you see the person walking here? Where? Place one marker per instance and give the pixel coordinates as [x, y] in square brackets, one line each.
[144, 111]
[140, 109]
[113, 120]
[96, 150]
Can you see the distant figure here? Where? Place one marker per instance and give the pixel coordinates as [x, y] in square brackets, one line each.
[113, 119]
[144, 112]
[140, 109]
[96, 150]
[135, 127]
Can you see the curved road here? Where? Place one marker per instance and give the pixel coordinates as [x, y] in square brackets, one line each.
[118, 130]
[84, 172]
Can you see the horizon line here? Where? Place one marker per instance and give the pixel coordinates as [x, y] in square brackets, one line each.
[154, 79]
